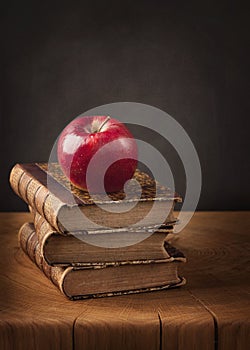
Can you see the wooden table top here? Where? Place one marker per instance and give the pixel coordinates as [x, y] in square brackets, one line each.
[211, 312]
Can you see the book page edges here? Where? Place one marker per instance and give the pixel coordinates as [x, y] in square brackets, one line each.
[181, 282]
[93, 218]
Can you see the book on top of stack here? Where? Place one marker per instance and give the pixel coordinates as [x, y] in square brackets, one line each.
[108, 254]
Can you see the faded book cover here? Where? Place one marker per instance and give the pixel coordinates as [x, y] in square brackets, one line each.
[67, 208]
[80, 248]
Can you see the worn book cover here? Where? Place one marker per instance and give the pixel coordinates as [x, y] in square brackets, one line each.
[67, 208]
[80, 248]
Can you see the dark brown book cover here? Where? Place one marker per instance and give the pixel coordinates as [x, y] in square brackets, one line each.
[82, 249]
[66, 208]
[105, 280]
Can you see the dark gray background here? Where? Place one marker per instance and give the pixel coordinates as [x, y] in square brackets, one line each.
[188, 59]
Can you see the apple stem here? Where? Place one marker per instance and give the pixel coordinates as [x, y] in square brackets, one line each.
[103, 123]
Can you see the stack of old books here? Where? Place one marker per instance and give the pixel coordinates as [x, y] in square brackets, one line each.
[98, 247]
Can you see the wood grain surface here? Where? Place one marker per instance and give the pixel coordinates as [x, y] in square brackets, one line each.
[211, 312]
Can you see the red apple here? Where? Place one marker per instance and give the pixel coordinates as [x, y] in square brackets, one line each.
[83, 138]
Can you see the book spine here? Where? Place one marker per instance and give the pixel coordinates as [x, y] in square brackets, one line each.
[29, 243]
[43, 228]
[15, 178]
[36, 195]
